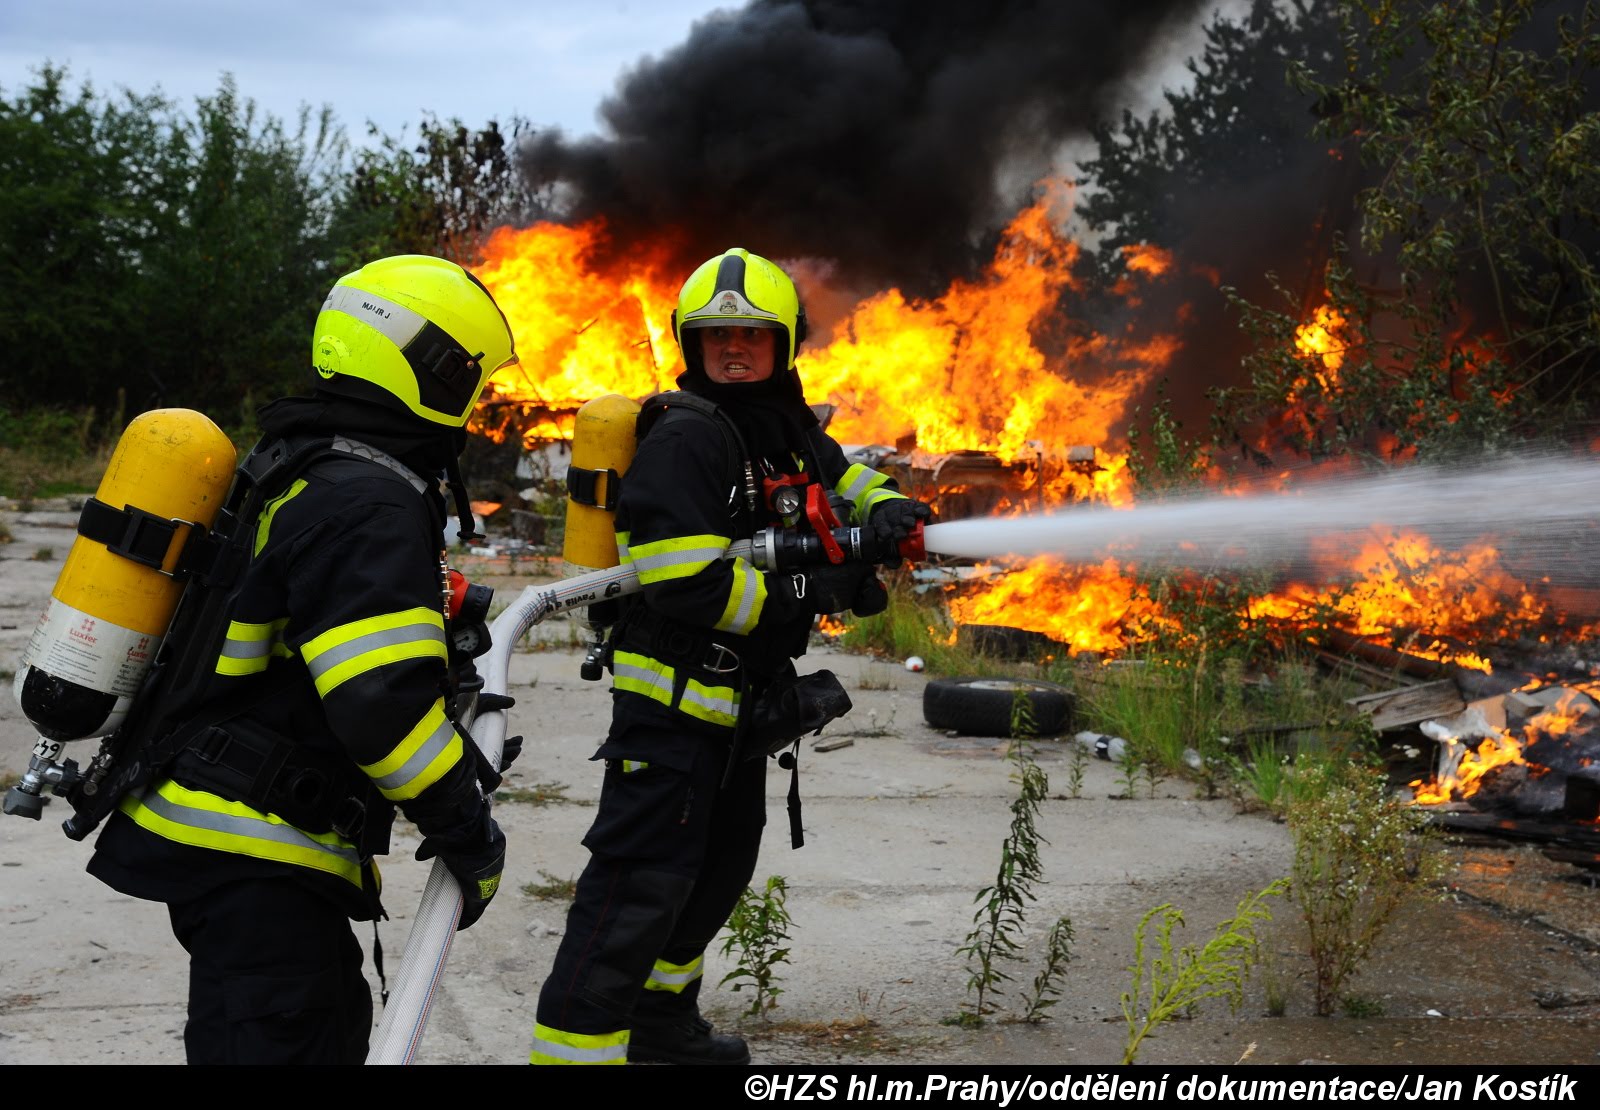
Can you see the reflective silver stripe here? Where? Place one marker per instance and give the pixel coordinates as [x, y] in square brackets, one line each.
[246, 649]
[677, 978]
[248, 828]
[858, 480]
[705, 700]
[576, 1055]
[693, 559]
[430, 750]
[372, 641]
[636, 676]
[877, 495]
[746, 584]
[382, 458]
[395, 322]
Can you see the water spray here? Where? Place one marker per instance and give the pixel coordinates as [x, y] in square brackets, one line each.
[1539, 507]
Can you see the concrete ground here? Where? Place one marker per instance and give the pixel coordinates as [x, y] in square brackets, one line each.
[904, 827]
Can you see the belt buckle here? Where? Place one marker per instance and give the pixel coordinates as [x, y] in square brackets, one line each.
[349, 818]
[717, 660]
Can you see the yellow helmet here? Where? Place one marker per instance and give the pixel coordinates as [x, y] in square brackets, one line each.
[737, 287]
[418, 327]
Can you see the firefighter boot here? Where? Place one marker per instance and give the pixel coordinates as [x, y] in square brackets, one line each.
[685, 1040]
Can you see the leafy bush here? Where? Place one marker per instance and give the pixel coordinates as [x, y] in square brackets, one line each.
[1359, 854]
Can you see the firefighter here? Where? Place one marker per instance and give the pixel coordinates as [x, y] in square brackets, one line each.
[678, 829]
[331, 700]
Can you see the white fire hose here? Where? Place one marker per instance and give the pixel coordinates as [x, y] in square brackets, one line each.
[399, 1032]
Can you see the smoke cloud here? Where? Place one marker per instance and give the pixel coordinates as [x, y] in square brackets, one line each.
[892, 136]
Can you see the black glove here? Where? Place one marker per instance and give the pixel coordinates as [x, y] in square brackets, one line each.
[824, 589]
[476, 865]
[490, 776]
[893, 520]
[871, 598]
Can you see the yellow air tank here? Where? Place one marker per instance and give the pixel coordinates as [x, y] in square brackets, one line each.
[602, 447]
[107, 613]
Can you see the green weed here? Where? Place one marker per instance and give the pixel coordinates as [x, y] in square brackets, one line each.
[759, 928]
[539, 794]
[1077, 762]
[1168, 983]
[553, 889]
[1058, 953]
[1359, 1006]
[1002, 908]
[1359, 854]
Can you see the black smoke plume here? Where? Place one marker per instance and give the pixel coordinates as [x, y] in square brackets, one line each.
[893, 136]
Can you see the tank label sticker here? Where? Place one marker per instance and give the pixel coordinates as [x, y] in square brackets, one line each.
[71, 644]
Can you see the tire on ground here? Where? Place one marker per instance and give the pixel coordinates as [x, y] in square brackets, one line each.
[983, 706]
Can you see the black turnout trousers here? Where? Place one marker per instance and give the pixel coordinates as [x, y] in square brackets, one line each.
[274, 977]
[671, 851]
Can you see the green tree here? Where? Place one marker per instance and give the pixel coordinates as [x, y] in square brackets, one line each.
[237, 262]
[1476, 121]
[440, 194]
[1235, 127]
[69, 232]
[177, 260]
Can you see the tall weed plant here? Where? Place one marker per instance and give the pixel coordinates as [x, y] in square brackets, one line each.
[1360, 853]
[1169, 982]
[996, 937]
[759, 929]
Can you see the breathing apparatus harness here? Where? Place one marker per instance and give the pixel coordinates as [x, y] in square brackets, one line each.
[314, 790]
[777, 707]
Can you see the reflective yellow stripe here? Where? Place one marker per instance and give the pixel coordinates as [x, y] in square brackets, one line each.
[858, 481]
[342, 653]
[716, 704]
[631, 765]
[674, 977]
[430, 749]
[874, 498]
[250, 647]
[552, 1046]
[264, 523]
[746, 598]
[640, 674]
[862, 487]
[205, 820]
[681, 557]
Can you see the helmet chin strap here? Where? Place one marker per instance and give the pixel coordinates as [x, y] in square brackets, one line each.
[458, 489]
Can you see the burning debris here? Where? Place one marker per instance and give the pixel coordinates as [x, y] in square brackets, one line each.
[964, 341]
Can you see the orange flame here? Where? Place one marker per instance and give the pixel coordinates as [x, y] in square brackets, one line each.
[1465, 779]
[989, 366]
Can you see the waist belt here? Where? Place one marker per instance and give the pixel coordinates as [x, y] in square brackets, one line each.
[313, 790]
[648, 633]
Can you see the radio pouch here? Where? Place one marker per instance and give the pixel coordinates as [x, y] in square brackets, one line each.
[789, 708]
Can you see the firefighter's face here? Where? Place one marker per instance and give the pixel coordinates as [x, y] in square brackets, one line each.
[735, 354]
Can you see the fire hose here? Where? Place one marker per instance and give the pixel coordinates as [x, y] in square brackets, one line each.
[433, 927]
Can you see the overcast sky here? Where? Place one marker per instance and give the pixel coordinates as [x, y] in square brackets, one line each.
[547, 61]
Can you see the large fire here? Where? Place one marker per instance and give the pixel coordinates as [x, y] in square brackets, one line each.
[991, 365]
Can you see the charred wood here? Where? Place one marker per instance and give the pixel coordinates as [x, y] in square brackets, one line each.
[1409, 705]
[1396, 662]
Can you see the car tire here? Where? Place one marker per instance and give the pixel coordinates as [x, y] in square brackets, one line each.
[983, 706]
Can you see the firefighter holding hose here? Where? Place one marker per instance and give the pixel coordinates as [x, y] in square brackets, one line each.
[331, 701]
[704, 685]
